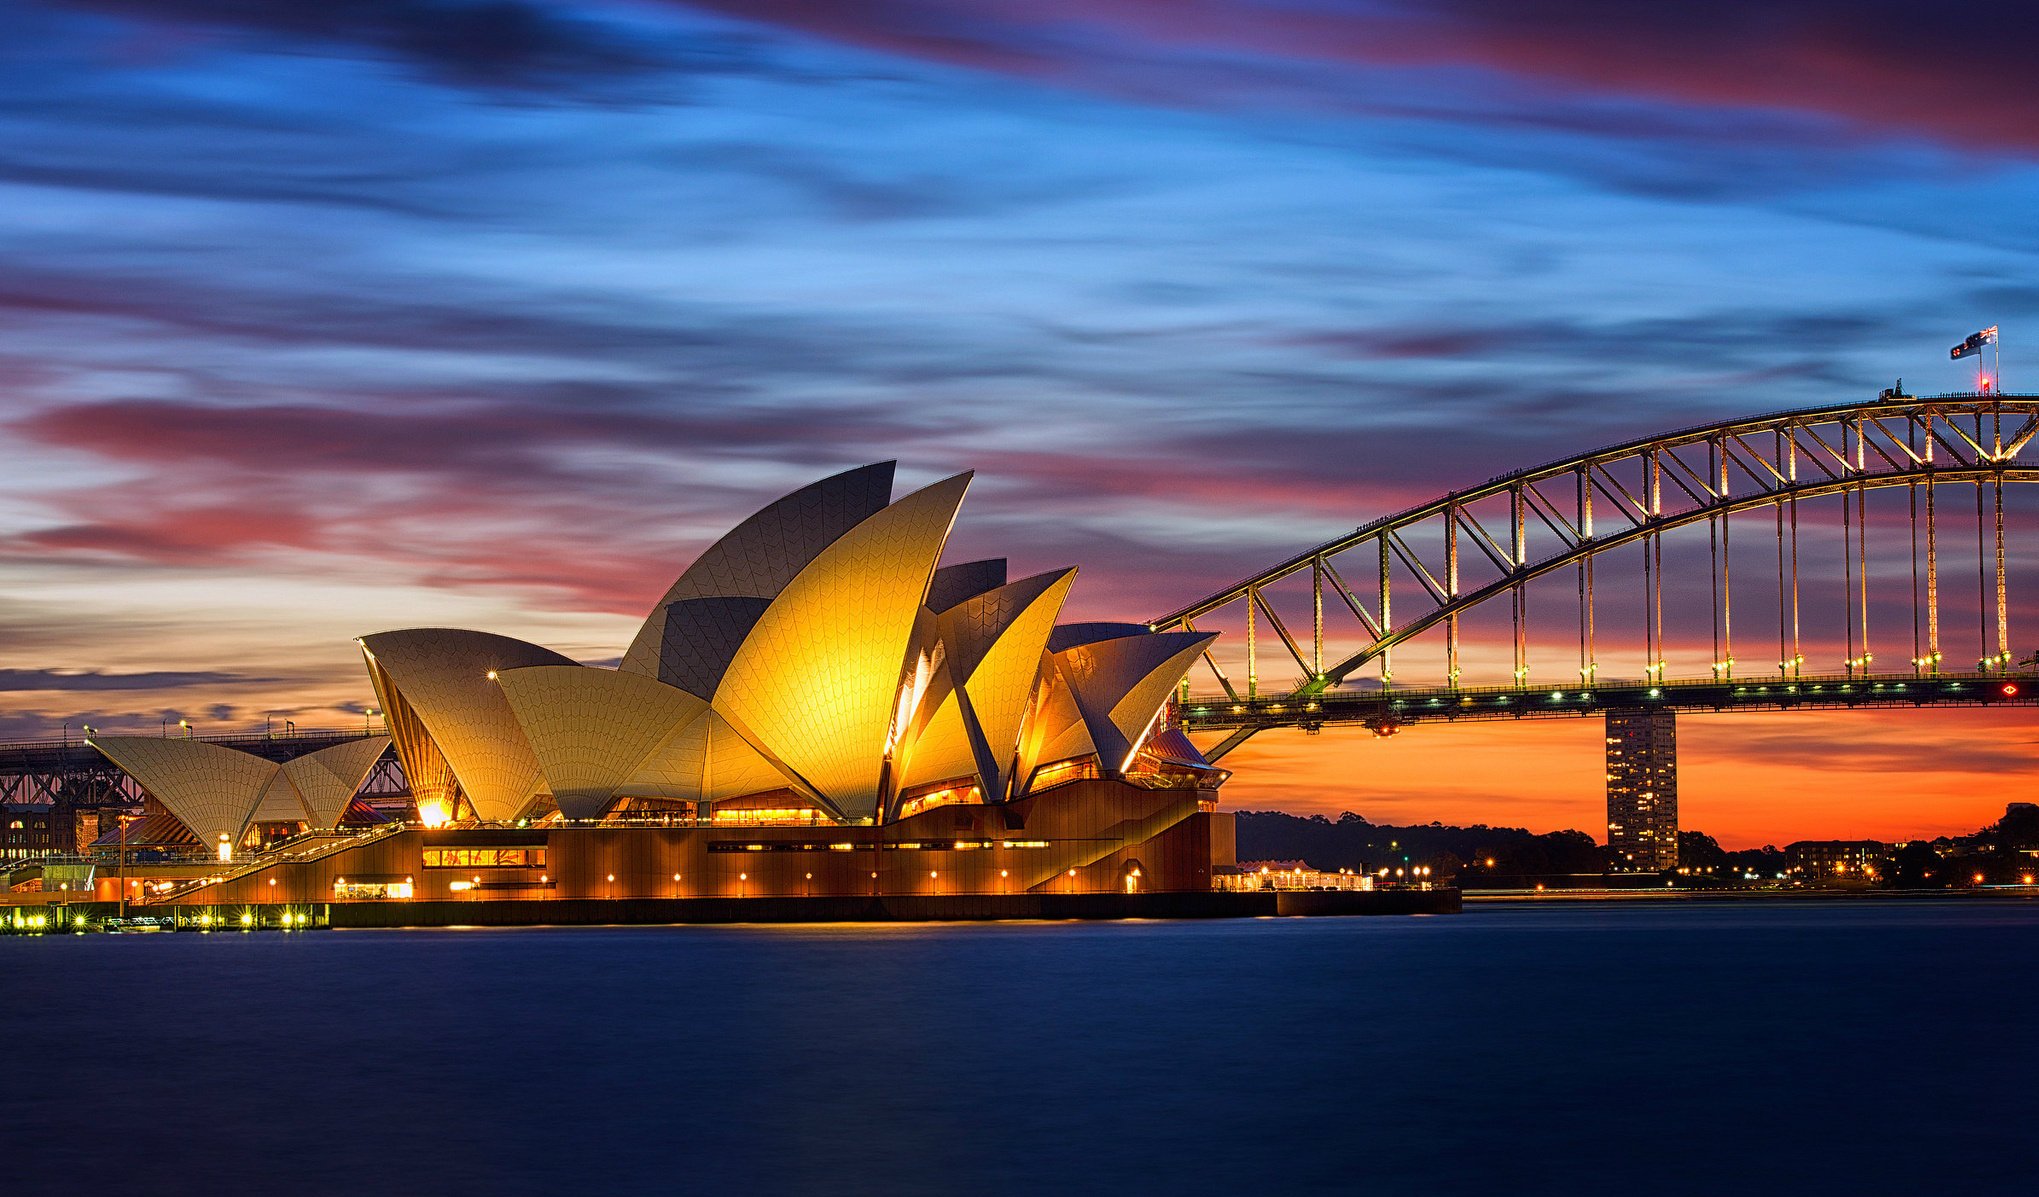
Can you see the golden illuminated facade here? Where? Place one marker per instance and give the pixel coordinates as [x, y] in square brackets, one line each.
[225, 797]
[816, 665]
[816, 708]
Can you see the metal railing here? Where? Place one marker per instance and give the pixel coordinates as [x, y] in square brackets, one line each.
[295, 851]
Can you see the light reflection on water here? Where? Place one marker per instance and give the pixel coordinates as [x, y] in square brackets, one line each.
[1703, 1049]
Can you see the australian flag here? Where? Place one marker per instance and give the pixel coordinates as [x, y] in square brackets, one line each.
[1973, 345]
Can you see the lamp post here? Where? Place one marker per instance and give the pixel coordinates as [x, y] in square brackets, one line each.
[367, 713]
[186, 725]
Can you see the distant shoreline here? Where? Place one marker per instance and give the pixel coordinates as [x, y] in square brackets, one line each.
[1512, 896]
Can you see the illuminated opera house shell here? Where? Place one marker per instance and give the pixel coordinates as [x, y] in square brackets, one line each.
[221, 795]
[816, 663]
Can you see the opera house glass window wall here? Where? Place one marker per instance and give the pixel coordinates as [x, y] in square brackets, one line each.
[817, 703]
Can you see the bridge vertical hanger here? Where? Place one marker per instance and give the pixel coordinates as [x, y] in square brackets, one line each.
[1518, 531]
[1317, 620]
[1252, 648]
[1727, 594]
[1848, 582]
[1911, 440]
[1932, 558]
[1587, 665]
[1783, 647]
[1451, 518]
[1862, 540]
[2003, 606]
[1387, 621]
[1996, 417]
[1797, 655]
[1716, 481]
[1984, 659]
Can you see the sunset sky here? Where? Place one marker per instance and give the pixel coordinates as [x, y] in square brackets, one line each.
[319, 319]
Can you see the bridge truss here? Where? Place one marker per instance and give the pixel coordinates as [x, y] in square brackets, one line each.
[1429, 569]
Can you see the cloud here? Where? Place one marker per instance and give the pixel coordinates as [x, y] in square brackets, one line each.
[511, 45]
[93, 679]
[1881, 66]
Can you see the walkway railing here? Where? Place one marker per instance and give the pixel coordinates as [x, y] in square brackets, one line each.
[295, 852]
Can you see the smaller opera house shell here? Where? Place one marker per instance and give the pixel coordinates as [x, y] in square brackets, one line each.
[816, 707]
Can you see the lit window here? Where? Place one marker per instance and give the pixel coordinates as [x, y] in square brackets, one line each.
[484, 858]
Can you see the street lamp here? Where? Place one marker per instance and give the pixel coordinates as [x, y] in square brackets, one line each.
[367, 713]
[186, 725]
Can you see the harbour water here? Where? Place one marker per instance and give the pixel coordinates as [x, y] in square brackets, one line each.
[1872, 1046]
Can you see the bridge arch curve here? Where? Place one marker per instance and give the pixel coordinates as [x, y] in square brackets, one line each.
[1483, 544]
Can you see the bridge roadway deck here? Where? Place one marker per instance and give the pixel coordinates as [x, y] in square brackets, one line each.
[1398, 707]
[38, 756]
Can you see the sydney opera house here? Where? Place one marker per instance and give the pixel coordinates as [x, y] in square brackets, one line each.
[817, 707]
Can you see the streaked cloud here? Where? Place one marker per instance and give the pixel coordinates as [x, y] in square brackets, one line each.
[322, 319]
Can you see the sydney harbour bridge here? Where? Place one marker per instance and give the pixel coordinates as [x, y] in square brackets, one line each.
[1853, 555]
[1858, 555]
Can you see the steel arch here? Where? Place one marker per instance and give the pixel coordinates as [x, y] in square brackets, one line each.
[1713, 472]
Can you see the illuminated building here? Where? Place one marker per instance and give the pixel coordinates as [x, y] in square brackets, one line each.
[1832, 860]
[816, 707]
[1642, 790]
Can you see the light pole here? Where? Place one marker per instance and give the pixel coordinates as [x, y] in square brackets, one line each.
[186, 725]
[367, 713]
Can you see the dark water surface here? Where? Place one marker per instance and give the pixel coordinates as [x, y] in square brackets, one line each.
[1865, 1047]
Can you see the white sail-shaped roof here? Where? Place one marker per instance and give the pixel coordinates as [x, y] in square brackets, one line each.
[443, 676]
[1070, 635]
[993, 647]
[757, 559]
[702, 636]
[735, 767]
[816, 684]
[280, 802]
[592, 729]
[211, 789]
[964, 580]
[328, 779]
[1119, 685]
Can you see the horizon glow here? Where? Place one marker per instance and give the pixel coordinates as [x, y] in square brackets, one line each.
[325, 320]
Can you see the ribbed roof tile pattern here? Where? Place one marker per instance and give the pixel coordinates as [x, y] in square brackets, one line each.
[994, 643]
[701, 638]
[443, 675]
[280, 802]
[591, 729]
[760, 556]
[735, 766]
[328, 779]
[1070, 635]
[211, 789]
[1120, 685]
[964, 580]
[817, 681]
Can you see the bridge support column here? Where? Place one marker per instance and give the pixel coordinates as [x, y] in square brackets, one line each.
[1642, 790]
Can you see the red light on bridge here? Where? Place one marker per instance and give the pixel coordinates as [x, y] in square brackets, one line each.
[2008, 689]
